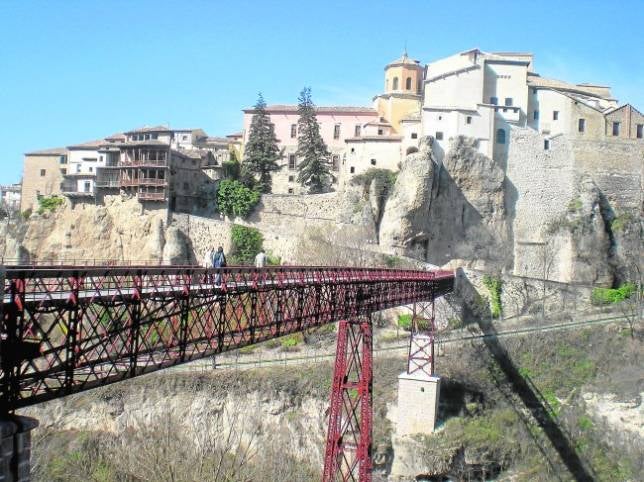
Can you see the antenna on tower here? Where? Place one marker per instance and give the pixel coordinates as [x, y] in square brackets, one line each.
[405, 51]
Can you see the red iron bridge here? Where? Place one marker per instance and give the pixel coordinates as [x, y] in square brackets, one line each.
[70, 329]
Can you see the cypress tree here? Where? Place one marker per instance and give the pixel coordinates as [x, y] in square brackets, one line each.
[314, 167]
[261, 153]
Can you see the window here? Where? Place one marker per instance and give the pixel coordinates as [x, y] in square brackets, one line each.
[408, 83]
[414, 135]
[91, 169]
[77, 167]
[494, 101]
[500, 136]
[101, 158]
[582, 125]
[155, 136]
[535, 115]
[335, 162]
[63, 171]
[63, 159]
[87, 186]
[291, 178]
[395, 85]
[293, 131]
[353, 150]
[639, 131]
[336, 131]
[291, 161]
[440, 117]
[380, 132]
[147, 137]
[546, 144]
[439, 136]
[184, 137]
[358, 130]
[615, 128]
[290, 190]
[352, 170]
[555, 115]
[43, 172]
[468, 119]
[373, 162]
[508, 101]
[422, 389]
[186, 186]
[534, 91]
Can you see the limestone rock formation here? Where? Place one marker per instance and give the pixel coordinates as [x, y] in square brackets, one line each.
[176, 249]
[451, 211]
[407, 209]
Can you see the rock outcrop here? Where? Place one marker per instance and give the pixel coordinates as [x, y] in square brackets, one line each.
[451, 211]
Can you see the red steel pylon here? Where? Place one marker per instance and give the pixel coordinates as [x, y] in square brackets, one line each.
[348, 444]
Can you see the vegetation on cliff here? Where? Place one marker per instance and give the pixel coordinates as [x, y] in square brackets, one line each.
[235, 199]
[261, 152]
[49, 203]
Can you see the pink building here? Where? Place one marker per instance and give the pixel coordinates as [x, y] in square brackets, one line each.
[337, 124]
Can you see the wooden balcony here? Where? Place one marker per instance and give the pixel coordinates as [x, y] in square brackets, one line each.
[151, 196]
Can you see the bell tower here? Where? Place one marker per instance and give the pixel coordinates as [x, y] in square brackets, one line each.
[403, 90]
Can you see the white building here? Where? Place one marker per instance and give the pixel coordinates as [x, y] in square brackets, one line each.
[481, 95]
[10, 196]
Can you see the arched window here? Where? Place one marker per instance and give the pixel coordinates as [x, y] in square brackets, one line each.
[408, 83]
[411, 150]
[500, 136]
[395, 86]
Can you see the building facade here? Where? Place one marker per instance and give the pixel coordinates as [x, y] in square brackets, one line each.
[337, 124]
[42, 176]
[10, 196]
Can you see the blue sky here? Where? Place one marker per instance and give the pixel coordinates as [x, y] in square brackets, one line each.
[72, 71]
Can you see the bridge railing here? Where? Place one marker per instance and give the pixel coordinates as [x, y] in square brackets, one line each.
[68, 329]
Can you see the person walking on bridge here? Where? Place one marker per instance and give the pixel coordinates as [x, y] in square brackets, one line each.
[260, 259]
[207, 263]
[219, 261]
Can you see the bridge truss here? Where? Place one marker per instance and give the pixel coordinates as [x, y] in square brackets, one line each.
[66, 330]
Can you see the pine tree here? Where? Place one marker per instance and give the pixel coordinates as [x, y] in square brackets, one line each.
[261, 153]
[312, 152]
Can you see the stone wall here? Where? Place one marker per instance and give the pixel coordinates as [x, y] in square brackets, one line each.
[522, 295]
[591, 180]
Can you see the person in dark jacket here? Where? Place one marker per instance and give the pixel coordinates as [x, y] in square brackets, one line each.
[219, 261]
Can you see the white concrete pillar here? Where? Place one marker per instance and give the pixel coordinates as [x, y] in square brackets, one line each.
[417, 411]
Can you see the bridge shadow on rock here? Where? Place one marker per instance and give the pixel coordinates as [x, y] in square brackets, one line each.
[523, 387]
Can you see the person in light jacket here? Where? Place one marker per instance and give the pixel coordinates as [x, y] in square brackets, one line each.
[260, 259]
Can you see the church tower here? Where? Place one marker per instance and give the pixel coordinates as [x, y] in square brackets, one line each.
[403, 90]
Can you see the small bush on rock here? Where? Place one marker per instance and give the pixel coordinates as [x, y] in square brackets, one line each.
[235, 199]
[49, 203]
[246, 243]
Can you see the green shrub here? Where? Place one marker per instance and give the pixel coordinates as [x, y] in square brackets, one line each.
[585, 423]
[49, 203]
[246, 243]
[404, 321]
[621, 222]
[575, 205]
[291, 342]
[392, 261]
[607, 296]
[235, 199]
[26, 214]
[272, 260]
[494, 286]
[231, 168]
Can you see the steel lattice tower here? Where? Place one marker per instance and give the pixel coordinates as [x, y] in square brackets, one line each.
[348, 444]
